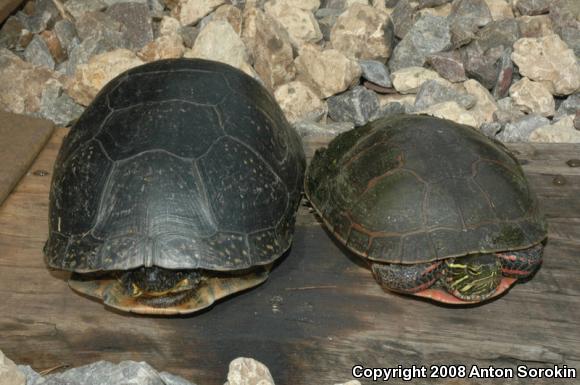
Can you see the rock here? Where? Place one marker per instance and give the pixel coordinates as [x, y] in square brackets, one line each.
[231, 14]
[137, 20]
[389, 109]
[218, 41]
[533, 7]
[247, 371]
[428, 35]
[21, 84]
[77, 8]
[432, 3]
[189, 35]
[38, 54]
[451, 111]
[520, 129]
[407, 101]
[164, 47]
[433, 92]
[328, 72]
[66, 33]
[532, 96]
[562, 131]
[356, 105]
[270, 47]
[441, 10]
[104, 28]
[301, 25]
[403, 17]
[126, 372]
[465, 19]
[535, 26]
[38, 21]
[481, 56]
[57, 106]
[169, 26]
[307, 128]
[364, 33]
[307, 5]
[189, 12]
[506, 111]
[499, 9]
[375, 72]
[32, 378]
[447, 64]
[505, 75]
[548, 59]
[326, 23]
[102, 68]
[491, 129]
[10, 33]
[565, 16]
[408, 80]
[485, 105]
[56, 50]
[9, 373]
[171, 379]
[300, 102]
[569, 106]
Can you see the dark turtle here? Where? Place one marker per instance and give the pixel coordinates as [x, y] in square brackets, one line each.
[178, 185]
[438, 209]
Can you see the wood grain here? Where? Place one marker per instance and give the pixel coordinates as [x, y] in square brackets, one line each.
[319, 314]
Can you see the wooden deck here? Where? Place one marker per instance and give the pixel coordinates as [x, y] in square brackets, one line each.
[320, 313]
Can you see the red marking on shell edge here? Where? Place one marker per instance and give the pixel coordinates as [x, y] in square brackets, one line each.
[444, 297]
[519, 273]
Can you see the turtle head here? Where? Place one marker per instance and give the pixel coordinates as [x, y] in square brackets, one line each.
[474, 277]
[159, 286]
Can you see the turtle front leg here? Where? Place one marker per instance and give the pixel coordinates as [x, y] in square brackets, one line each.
[407, 278]
[521, 263]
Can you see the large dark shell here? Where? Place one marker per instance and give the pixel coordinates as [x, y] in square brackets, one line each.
[180, 164]
[410, 189]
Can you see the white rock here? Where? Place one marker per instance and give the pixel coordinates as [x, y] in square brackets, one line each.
[485, 105]
[102, 68]
[363, 32]
[190, 12]
[328, 72]
[408, 99]
[499, 9]
[270, 47]
[9, 373]
[443, 10]
[169, 26]
[164, 47]
[562, 131]
[300, 102]
[307, 5]
[247, 371]
[231, 14]
[548, 59]
[218, 41]
[300, 24]
[451, 111]
[408, 80]
[534, 97]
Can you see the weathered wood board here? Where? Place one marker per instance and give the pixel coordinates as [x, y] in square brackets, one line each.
[318, 315]
[21, 138]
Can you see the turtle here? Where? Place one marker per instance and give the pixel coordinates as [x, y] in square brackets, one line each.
[177, 186]
[437, 209]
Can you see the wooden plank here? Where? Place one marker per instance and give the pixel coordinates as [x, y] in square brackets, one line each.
[6, 8]
[22, 138]
[320, 313]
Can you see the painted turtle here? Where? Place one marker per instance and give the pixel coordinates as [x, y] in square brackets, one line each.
[438, 209]
[178, 186]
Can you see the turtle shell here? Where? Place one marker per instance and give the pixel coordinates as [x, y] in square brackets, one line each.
[180, 164]
[411, 189]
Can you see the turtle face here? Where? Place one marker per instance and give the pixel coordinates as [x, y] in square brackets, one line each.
[156, 286]
[474, 277]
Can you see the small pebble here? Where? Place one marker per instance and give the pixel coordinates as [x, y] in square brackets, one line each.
[573, 163]
[559, 180]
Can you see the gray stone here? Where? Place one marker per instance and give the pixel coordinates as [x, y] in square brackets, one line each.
[94, 45]
[136, 18]
[429, 34]
[171, 379]
[77, 8]
[504, 76]
[100, 24]
[520, 130]
[37, 53]
[325, 24]
[10, 32]
[189, 35]
[307, 128]
[565, 16]
[491, 129]
[432, 3]
[325, 12]
[570, 106]
[34, 23]
[57, 106]
[506, 111]
[447, 64]
[376, 72]
[356, 105]
[389, 109]
[105, 373]
[466, 17]
[433, 92]
[66, 33]
[403, 17]
[533, 7]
